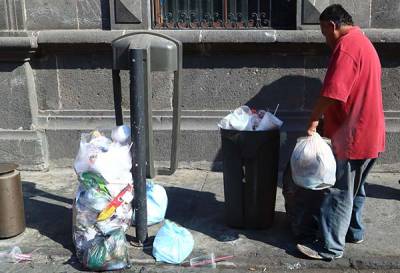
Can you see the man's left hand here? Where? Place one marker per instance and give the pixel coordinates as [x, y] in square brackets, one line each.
[312, 127]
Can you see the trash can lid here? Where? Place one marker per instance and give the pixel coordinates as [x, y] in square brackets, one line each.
[7, 167]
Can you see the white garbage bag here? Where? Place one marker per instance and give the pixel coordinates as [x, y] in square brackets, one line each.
[246, 119]
[313, 163]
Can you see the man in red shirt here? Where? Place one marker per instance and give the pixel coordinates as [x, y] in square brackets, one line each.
[351, 103]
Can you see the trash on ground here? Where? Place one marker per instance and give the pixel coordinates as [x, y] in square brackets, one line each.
[14, 255]
[204, 261]
[157, 202]
[293, 266]
[172, 244]
[208, 260]
[102, 209]
[313, 163]
[246, 119]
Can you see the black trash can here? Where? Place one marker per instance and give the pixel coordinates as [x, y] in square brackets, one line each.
[250, 170]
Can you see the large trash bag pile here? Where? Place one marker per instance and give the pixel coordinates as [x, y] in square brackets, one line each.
[102, 209]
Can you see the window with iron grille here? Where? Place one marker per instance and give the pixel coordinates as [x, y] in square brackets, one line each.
[192, 14]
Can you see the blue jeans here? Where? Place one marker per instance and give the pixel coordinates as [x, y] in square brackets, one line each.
[341, 207]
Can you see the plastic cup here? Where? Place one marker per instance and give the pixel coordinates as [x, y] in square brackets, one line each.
[269, 122]
[204, 261]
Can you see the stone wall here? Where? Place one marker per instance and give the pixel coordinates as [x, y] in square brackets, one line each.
[55, 75]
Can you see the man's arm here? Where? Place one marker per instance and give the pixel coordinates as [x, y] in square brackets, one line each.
[320, 107]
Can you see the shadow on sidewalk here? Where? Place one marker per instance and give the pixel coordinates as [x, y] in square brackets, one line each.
[49, 214]
[382, 192]
[201, 212]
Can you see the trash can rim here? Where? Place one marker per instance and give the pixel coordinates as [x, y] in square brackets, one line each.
[255, 132]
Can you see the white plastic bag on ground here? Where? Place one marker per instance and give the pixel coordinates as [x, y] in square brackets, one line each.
[157, 202]
[173, 243]
[313, 163]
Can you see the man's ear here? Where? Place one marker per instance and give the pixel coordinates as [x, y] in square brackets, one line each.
[333, 25]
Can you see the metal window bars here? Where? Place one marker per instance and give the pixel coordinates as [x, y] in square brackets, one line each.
[212, 14]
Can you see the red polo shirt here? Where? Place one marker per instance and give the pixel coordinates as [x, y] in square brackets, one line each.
[356, 124]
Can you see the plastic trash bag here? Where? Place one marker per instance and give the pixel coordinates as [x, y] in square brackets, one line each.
[105, 189]
[157, 202]
[90, 146]
[172, 244]
[313, 163]
[107, 253]
[114, 165]
[121, 134]
[241, 119]
[246, 119]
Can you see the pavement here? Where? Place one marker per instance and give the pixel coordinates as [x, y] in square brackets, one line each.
[196, 201]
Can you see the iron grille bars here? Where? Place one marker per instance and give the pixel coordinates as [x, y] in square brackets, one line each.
[229, 14]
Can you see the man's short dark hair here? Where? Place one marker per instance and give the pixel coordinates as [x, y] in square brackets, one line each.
[337, 14]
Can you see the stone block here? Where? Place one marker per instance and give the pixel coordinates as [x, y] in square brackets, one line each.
[19, 14]
[11, 15]
[193, 146]
[391, 83]
[14, 104]
[93, 14]
[359, 10]
[310, 11]
[391, 154]
[84, 81]
[226, 82]
[162, 87]
[128, 11]
[385, 14]
[46, 82]
[63, 146]
[129, 14]
[24, 148]
[3, 15]
[315, 69]
[162, 84]
[51, 14]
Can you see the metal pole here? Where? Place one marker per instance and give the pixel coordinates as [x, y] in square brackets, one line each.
[117, 97]
[137, 107]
